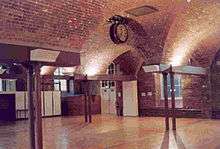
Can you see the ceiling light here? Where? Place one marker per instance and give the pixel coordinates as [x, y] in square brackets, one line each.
[188, 1]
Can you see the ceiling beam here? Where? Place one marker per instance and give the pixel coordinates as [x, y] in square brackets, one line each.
[190, 70]
[12, 76]
[23, 54]
[113, 77]
[104, 77]
[187, 70]
[58, 77]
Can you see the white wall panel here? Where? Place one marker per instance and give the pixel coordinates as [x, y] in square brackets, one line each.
[57, 103]
[48, 103]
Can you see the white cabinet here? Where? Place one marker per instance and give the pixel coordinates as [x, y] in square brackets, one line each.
[50, 104]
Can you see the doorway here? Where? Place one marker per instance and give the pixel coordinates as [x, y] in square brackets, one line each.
[108, 98]
[130, 99]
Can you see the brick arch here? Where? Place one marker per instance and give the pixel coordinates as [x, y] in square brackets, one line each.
[194, 34]
[147, 39]
[150, 30]
[129, 62]
[98, 56]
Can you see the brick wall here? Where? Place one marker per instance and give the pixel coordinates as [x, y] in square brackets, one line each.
[47, 83]
[152, 83]
[195, 93]
[193, 87]
[146, 90]
[215, 85]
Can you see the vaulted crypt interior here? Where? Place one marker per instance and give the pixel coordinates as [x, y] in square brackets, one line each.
[95, 74]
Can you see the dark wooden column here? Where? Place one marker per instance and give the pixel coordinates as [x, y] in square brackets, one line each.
[30, 106]
[38, 124]
[210, 89]
[166, 106]
[85, 104]
[173, 99]
[59, 85]
[89, 109]
[68, 85]
[89, 104]
[85, 91]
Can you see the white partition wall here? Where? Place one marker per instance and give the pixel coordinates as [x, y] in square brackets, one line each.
[51, 104]
[47, 109]
[130, 98]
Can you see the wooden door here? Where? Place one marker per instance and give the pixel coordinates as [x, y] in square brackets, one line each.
[130, 98]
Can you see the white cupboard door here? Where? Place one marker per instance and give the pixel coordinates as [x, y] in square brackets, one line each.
[57, 103]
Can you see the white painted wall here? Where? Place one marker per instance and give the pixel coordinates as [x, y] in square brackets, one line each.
[130, 98]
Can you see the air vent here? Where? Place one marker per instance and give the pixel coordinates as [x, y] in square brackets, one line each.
[140, 11]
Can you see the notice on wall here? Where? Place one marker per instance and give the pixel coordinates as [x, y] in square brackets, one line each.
[149, 94]
[143, 94]
[119, 94]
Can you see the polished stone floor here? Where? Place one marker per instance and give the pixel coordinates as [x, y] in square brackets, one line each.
[111, 132]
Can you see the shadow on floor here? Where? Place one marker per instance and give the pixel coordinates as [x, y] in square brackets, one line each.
[166, 140]
[179, 142]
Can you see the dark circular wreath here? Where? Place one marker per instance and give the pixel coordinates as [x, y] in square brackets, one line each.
[117, 37]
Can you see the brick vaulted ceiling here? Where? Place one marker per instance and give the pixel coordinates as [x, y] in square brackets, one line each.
[189, 29]
[194, 34]
[53, 24]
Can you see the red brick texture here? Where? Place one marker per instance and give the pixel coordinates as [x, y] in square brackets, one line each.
[146, 86]
[53, 24]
